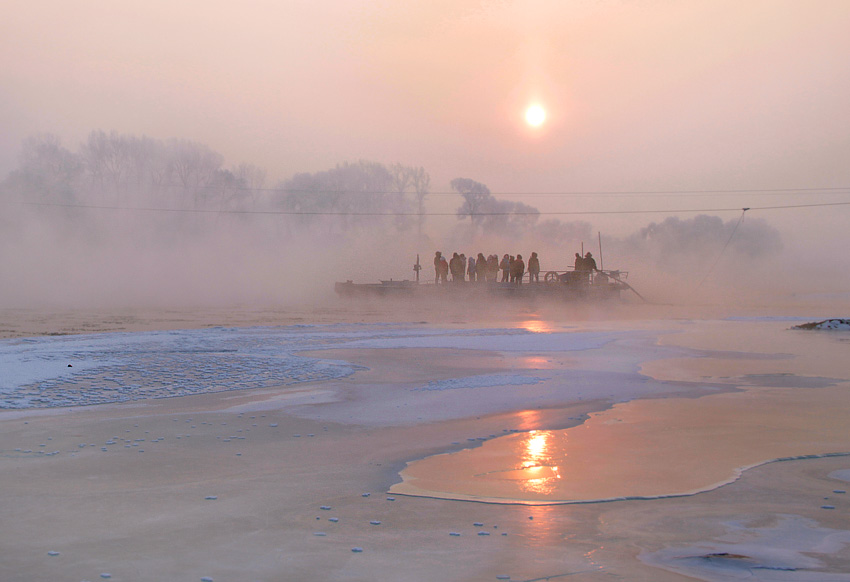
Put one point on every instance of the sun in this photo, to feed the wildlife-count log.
(535, 115)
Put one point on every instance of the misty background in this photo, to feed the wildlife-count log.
(160, 154)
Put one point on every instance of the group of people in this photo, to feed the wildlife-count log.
(585, 264)
(512, 268)
(482, 269)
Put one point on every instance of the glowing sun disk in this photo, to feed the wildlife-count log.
(535, 115)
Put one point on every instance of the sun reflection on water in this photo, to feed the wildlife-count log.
(536, 326)
(537, 471)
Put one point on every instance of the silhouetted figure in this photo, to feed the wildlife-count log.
(580, 274)
(589, 263)
(437, 260)
(444, 270)
(493, 268)
(590, 266)
(481, 268)
(517, 270)
(533, 268)
(456, 266)
(505, 266)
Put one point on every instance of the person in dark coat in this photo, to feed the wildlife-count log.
(589, 263)
(533, 268)
(589, 266)
(481, 268)
(517, 270)
(444, 270)
(579, 264)
(493, 267)
(456, 267)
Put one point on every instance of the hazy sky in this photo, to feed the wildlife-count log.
(640, 94)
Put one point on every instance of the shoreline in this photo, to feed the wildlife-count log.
(333, 442)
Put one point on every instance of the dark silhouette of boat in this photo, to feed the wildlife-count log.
(556, 285)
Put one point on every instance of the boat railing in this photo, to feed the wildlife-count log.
(572, 276)
(568, 276)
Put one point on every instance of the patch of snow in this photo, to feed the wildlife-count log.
(828, 324)
(787, 550)
(80, 370)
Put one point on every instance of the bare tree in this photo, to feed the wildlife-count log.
(475, 196)
(419, 180)
(252, 176)
(195, 167)
(47, 171)
(349, 195)
(109, 160)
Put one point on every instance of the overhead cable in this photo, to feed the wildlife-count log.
(434, 214)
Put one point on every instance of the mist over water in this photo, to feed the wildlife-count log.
(186, 155)
(84, 237)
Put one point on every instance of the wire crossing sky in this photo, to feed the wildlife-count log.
(337, 213)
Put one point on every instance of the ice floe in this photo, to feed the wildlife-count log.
(133, 366)
(121, 367)
(827, 324)
(793, 548)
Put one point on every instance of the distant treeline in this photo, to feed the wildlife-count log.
(127, 171)
(117, 171)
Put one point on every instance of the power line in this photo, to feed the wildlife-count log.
(427, 214)
(563, 193)
(723, 250)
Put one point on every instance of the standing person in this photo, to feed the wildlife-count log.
(579, 274)
(533, 268)
(456, 268)
(437, 256)
(471, 269)
(505, 266)
(589, 265)
(493, 267)
(517, 270)
(481, 268)
(444, 270)
(463, 265)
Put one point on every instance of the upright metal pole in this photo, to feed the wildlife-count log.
(600, 249)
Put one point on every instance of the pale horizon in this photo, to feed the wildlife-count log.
(651, 109)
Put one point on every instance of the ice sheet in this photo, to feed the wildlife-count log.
(103, 368)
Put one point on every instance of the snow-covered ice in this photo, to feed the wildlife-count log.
(105, 368)
(827, 325)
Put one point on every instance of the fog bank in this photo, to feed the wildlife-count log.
(81, 238)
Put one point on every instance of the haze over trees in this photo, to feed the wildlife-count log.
(126, 170)
(489, 214)
(119, 191)
(359, 195)
(674, 243)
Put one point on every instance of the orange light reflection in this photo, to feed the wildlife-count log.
(537, 362)
(536, 326)
(529, 419)
(538, 473)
